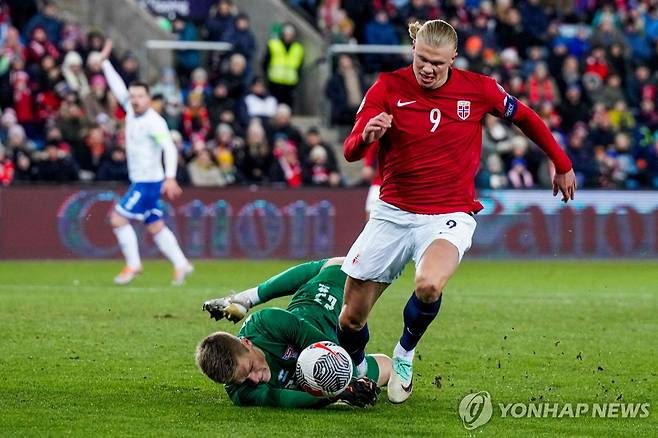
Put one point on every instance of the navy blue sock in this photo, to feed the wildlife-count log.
(354, 343)
(417, 317)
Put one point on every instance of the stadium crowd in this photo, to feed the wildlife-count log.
(587, 67)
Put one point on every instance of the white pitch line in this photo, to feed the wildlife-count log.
(108, 288)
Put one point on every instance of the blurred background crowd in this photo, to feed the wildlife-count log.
(588, 67)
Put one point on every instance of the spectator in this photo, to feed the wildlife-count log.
(90, 154)
(199, 82)
(637, 40)
(226, 162)
(258, 159)
(55, 166)
(24, 170)
(219, 102)
(573, 109)
(317, 171)
(345, 91)
(71, 120)
(626, 172)
(606, 167)
(281, 124)
(495, 176)
(22, 93)
(224, 139)
(286, 166)
(511, 33)
(259, 102)
(621, 118)
(609, 93)
(601, 132)
(168, 87)
(17, 142)
(113, 167)
(606, 34)
(313, 140)
(379, 30)
(54, 135)
(344, 32)
(235, 77)
(46, 19)
(535, 19)
(6, 167)
(203, 171)
(186, 60)
(7, 120)
(94, 64)
(39, 46)
(74, 74)
(283, 63)
(651, 176)
(581, 157)
(97, 101)
(129, 68)
(597, 63)
(11, 48)
(243, 40)
(519, 175)
(220, 21)
(648, 116)
(196, 122)
(541, 87)
(184, 157)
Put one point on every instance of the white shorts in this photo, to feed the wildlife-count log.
(373, 196)
(392, 237)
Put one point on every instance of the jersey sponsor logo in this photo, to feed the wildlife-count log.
(409, 102)
(290, 353)
(463, 109)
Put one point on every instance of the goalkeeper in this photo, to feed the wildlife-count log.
(258, 366)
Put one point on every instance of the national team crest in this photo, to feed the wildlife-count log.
(463, 109)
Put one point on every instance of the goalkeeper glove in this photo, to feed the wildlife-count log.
(227, 307)
(360, 392)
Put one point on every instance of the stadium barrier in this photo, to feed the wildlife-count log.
(71, 222)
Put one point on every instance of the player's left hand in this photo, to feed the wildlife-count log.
(566, 184)
(171, 189)
(360, 392)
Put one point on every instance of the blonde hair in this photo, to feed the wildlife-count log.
(217, 356)
(436, 33)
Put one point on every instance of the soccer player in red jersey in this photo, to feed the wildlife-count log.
(426, 119)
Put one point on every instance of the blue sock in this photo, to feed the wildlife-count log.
(354, 343)
(417, 317)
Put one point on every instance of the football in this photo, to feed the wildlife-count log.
(324, 369)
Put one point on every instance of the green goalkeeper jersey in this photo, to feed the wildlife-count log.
(320, 300)
(311, 316)
(281, 335)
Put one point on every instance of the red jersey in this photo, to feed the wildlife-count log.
(428, 159)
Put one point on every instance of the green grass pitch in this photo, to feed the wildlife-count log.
(81, 356)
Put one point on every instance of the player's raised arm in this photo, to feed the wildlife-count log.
(113, 79)
(372, 120)
(535, 129)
